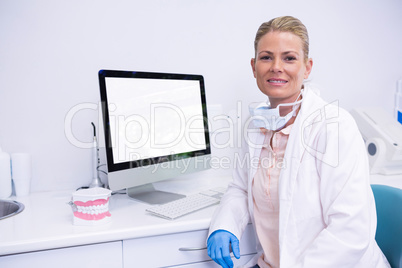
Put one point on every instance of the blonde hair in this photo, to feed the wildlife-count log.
(285, 24)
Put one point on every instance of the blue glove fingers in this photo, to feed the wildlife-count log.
(226, 256)
(235, 247)
(213, 250)
(219, 247)
(215, 253)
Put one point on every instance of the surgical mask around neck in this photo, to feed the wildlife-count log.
(264, 116)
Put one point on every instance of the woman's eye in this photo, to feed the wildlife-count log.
(290, 58)
(265, 58)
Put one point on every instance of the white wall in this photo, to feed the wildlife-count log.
(51, 51)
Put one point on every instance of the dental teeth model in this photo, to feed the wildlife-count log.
(91, 206)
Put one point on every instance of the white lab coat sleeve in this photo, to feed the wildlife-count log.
(232, 214)
(346, 197)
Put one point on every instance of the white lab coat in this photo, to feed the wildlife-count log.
(327, 214)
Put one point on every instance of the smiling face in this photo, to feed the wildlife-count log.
(280, 67)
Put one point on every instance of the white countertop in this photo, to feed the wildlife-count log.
(47, 220)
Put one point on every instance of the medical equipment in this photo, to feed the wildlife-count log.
(388, 202)
(91, 206)
(398, 101)
(266, 117)
(189, 204)
(382, 135)
(96, 182)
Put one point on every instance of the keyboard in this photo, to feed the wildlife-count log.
(189, 204)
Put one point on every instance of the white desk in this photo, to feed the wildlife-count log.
(43, 235)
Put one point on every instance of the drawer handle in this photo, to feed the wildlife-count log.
(192, 249)
(203, 248)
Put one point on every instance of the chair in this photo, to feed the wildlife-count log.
(388, 201)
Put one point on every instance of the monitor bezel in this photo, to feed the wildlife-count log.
(114, 167)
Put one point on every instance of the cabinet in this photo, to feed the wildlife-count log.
(167, 250)
(155, 251)
(104, 255)
(211, 264)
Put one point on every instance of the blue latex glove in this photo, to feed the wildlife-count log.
(219, 247)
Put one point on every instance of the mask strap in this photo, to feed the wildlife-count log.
(294, 105)
(296, 102)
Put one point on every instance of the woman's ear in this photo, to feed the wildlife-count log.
(253, 66)
(309, 67)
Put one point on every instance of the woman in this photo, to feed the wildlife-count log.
(309, 196)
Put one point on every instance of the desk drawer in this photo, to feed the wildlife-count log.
(104, 255)
(211, 264)
(162, 251)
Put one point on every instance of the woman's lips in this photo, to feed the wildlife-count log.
(277, 81)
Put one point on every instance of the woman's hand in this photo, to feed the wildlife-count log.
(219, 243)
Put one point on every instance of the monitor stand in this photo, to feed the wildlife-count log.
(147, 194)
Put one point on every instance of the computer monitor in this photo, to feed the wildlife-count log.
(155, 127)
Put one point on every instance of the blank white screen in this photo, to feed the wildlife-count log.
(154, 117)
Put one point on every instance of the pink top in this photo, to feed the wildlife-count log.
(265, 195)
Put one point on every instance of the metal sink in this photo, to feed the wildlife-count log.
(9, 208)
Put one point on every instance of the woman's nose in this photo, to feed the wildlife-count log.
(276, 66)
